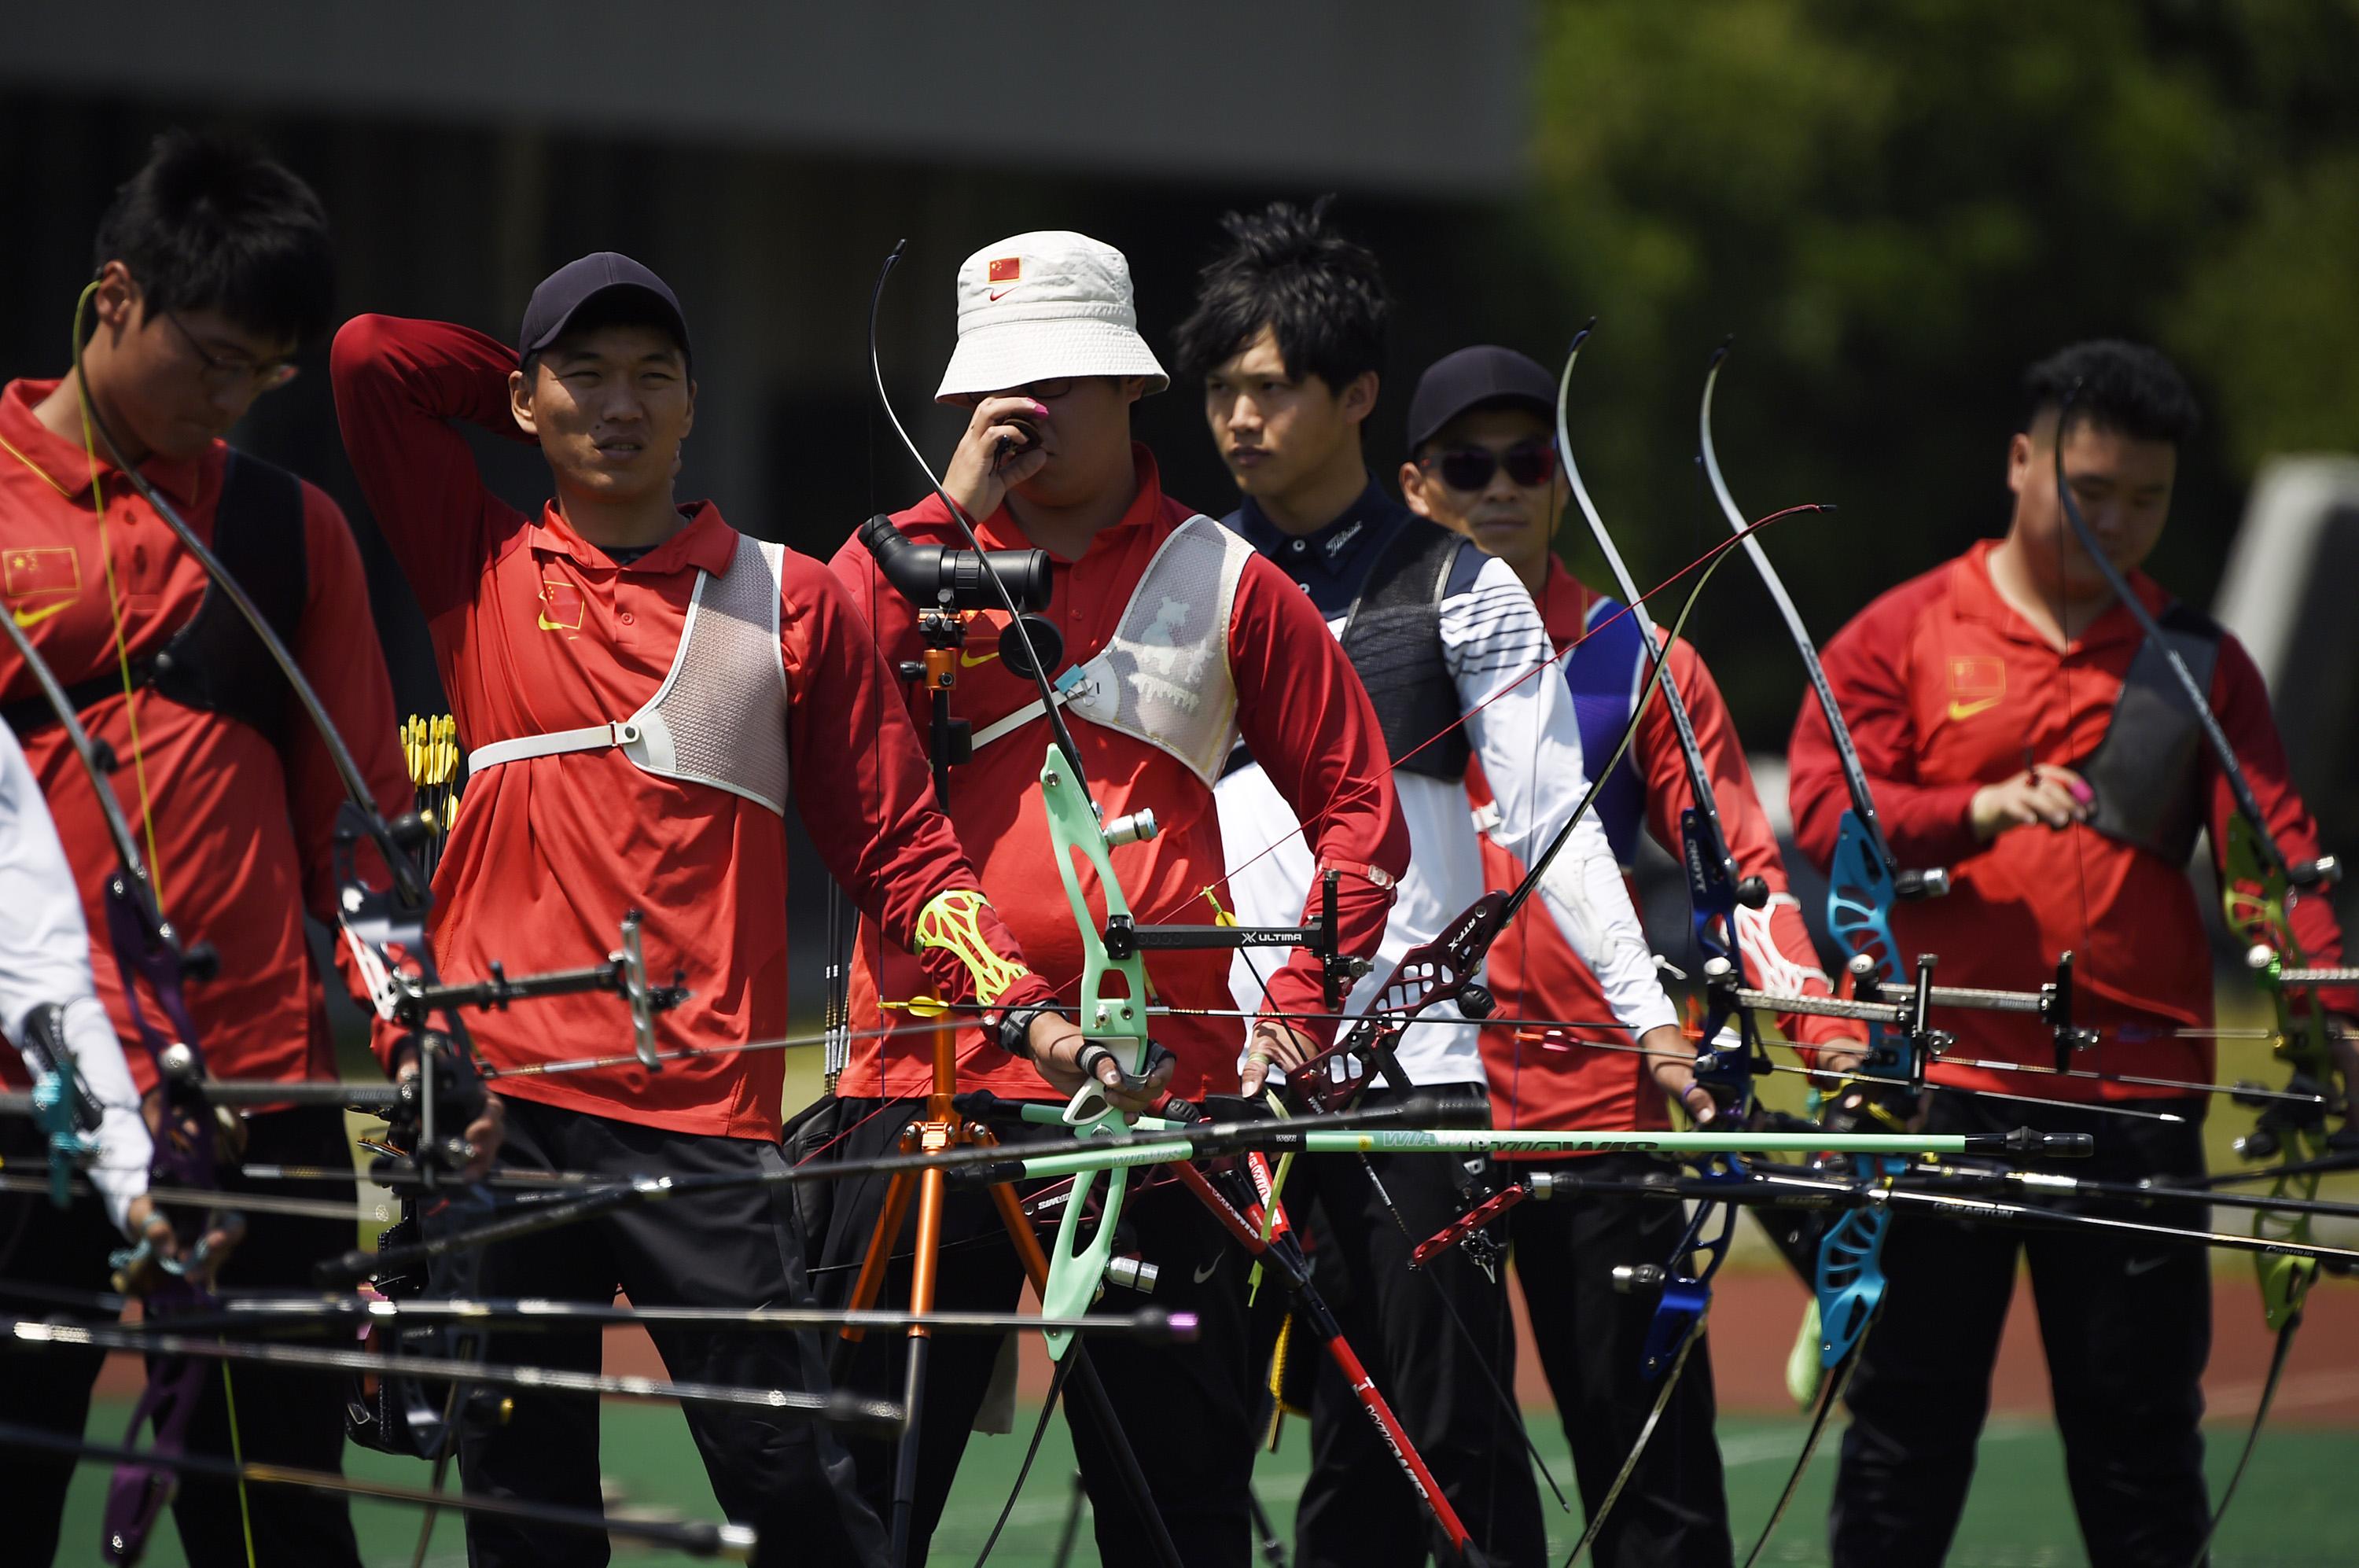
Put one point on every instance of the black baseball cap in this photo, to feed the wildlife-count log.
(1471, 378)
(564, 292)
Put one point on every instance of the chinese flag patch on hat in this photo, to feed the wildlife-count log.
(1007, 269)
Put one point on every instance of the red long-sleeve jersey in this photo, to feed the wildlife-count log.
(1947, 689)
(536, 630)
(244, 830)
(1301, 710)
(1560, 1078)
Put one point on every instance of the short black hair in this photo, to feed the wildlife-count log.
(2114, 386)
(621, 307)
(213, 222)
(1286, 268)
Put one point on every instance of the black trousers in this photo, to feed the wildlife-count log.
(1357, 1509)
(737, 1247)
(2127, 1322)
(1187, 1410)
(283, 1417)
(1590, 1337)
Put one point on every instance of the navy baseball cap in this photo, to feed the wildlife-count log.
(1473, 377)
(564, 292)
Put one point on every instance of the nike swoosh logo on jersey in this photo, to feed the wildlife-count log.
(996, 294)
(35, 618)
(968, 660)
(1968, 709)
(1206, 1271)
(2138, 1266)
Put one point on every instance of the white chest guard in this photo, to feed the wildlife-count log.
(1164, 677)
(719, 716)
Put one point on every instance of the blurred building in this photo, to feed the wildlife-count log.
(765, 158)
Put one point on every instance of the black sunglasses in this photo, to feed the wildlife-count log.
(1530, 464)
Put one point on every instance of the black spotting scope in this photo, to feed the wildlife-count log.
(934, 576)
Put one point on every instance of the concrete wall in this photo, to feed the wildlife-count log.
(1391, 94)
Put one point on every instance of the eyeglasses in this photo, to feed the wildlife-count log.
(220, 375)
(1530, 464)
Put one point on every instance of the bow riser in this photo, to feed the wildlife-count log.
(1077, 1266)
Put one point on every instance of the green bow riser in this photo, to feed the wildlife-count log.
(2253, 895)
(1118, 1020)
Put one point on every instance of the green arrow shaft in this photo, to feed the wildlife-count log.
(1163, 1152)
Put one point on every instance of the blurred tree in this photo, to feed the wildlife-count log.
(1895, 207)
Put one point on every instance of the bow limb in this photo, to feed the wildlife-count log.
(1715, 887)
(1714, 891)
(1862, 883)
(2254, 892)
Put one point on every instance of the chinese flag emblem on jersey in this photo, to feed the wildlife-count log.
(1006, 269)
(29, 573)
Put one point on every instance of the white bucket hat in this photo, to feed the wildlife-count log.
(1040, 306)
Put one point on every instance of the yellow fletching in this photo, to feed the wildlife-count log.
(916, 1006)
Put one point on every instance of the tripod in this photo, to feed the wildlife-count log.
(944, 1127)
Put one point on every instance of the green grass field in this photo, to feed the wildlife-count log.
(2289, 1514)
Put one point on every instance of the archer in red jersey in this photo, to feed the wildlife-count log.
(2013, 733)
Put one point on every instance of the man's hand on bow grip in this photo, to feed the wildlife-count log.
(1670, 1057)
(485, 1129)
(1057, 1046)
(159, 1245)
(483, 1135)
(1271, 1045)
(1838, 1056)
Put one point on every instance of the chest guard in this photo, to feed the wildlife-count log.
(1164, 676)
(1607, 670)
(214, 663)
(1393, 638)
(719, 716)
(2147, 771)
